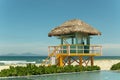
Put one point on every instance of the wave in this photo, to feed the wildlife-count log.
(16, 62)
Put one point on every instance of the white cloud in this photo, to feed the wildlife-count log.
(111, 46)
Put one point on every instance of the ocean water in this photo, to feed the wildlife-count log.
(37, 59)
(95, 75)
(21, 59)
(107, 57)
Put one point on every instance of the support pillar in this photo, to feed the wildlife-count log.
(88, 44)
(92, 60)
(61, 61)
(72, 40)
(80, 60)
(76, 38)
(69, 60)
(88, 40)
(61, 40)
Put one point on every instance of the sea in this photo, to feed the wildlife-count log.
(7, 60)
(94, 75)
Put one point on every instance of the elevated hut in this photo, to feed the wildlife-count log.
(75, 44)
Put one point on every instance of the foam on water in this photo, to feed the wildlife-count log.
(16, 62)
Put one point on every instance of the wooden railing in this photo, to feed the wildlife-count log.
(76, 49)
(71, 49)
(52, 53)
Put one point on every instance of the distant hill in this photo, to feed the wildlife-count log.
(22, 54)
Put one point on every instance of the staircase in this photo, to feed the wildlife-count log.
(47, 61)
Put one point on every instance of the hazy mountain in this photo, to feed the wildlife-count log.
(22, 54)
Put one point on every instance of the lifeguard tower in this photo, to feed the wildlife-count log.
(75, 44)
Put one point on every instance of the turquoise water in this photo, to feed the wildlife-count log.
(20, 59)
(97, 75)
(37, 59)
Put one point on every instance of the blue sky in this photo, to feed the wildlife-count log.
(24, 24)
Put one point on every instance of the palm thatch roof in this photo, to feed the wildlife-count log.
(73, 26)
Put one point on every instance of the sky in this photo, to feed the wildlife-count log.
(25, 24)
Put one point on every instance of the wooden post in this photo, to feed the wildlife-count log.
(92, 59)
(61, 40)
(80, 60)
(69, 60)
(68, 49)
(88, 40)
(72, 40)
(76, 37)
(61, 61)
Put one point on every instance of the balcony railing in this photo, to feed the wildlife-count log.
(75, 49)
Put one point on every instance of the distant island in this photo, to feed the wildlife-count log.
(22, 54)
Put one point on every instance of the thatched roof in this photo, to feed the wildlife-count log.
(73, 26)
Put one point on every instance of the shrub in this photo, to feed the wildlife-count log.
(5, 73)
(69, 68)
(60, 69)
(115, 66)
(32, 69)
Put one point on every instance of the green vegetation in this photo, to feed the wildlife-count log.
(115, 66)
(32, 69)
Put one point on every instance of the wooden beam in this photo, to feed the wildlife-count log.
(72, 40)
(69, 60)
(61, 61)
(76, 38)
(88, 40)
(92, 60)
(80, 60)
(61, 40)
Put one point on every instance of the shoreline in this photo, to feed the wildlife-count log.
(104, 64)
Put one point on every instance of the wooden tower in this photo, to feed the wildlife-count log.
(75, 44)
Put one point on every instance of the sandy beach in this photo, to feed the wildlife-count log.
(104, 64)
